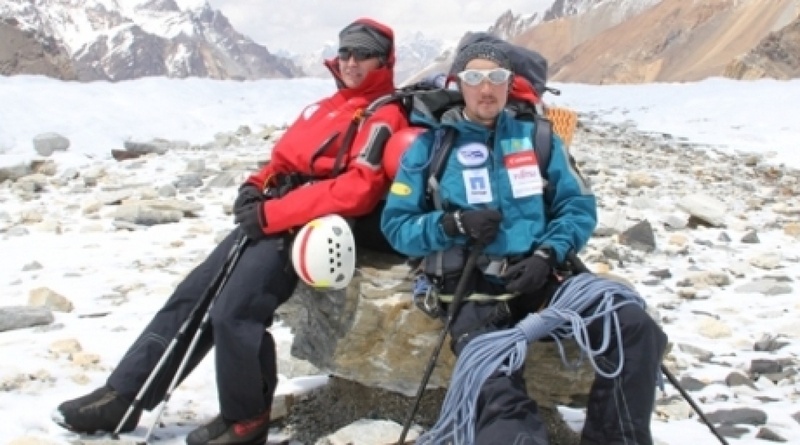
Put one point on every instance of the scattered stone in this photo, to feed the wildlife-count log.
(767, 434)
(146, 216)
(746, 416)
(733, 431)
(765, 287)
(125, 155)
(739, 379)
(751, 237)
(673, 408)
(704, 209)
(692, 384)
(35, 265)
(639, 237)
(156, 146)
(42, 296)
(765, 366)
(47, 143)
(769, 343)
(19, 317)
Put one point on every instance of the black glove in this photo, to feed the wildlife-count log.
(529, 275)
(480, 225)
(252, 221)
(248, 194)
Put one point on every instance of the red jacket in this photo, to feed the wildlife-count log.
(310, 147)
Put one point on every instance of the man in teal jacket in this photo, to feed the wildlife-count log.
(492, 194)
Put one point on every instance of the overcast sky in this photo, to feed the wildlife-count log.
(303, 25)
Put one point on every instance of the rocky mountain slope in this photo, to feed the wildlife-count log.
(776, 56)
(618, 41)
(116, 40)
(624, 41)
(26, 52)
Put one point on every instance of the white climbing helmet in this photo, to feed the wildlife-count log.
(324, 253)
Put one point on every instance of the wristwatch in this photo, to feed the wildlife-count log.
(548, 254)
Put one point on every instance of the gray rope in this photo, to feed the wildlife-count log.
(505, 350)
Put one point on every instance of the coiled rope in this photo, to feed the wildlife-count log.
(505, 350)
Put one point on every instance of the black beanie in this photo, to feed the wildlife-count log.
(361, 35)
(480, 50)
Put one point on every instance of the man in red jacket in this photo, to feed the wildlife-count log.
(327, 162)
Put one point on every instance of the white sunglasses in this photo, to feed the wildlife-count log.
(474, 78)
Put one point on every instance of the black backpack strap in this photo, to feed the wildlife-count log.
(543, 147)
(442, 146)
(347, 142)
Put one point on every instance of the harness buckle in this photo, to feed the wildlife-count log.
(426, 296)
(495, 268)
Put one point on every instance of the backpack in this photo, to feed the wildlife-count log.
(428, 99)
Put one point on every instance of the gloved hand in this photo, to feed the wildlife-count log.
(481, 225)
(252, 221)
(248, 194)
(528, 276)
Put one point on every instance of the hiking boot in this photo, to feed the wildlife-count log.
(221, 431)
(99, 411)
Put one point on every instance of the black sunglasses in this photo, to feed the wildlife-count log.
(360, 54)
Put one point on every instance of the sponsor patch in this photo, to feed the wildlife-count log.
(400, 189)
(523, 172)
(516, 144)
(477, 185)
(472, 154)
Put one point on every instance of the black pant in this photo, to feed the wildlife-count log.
(505, 414)
(246, 369)
(619, 409)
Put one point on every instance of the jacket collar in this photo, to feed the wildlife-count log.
(377, 83)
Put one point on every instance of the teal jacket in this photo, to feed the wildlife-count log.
(490, 169)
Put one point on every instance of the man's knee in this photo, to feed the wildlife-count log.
(474, 319)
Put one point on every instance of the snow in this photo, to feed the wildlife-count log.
(92, 266)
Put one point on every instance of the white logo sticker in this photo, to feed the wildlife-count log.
(472, 154)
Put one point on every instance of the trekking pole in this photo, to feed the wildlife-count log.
(452, 311)
(580, 267)
(695, 407)
(208, 298)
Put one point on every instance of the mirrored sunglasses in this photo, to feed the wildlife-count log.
(360, 54)
(474, 78)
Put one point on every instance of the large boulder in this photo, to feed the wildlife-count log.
(371, 335)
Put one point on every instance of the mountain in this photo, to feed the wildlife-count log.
(126, 39)
(413, 52)
(627, 41)
(312, 63)
(30, 52)
(777, 56)
(508, 26)
(639, 41)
